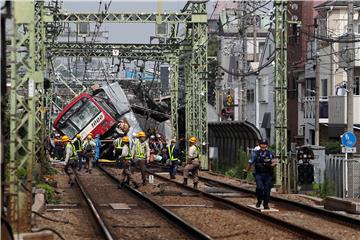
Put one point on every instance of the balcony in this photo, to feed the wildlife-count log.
(338, 110)
(309, 109)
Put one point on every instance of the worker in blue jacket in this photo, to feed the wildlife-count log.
(97, 148)
(264, 162)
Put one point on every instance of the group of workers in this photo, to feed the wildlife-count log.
(136, 152)
(139, 152)
(77, 150)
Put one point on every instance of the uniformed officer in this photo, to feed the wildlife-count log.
(193, 163)
(264, 162)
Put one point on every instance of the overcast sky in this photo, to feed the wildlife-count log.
(128, 33)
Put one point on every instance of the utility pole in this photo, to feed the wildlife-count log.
(254, 38)
(242, 102)
(317, 98)
(350, 67)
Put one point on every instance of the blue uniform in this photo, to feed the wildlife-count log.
(263, 174)
(97, 149)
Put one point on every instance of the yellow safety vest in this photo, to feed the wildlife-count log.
(171, 152)
(74, 151)
(118, 144)
(129, 156)
(80, 145)
(140, 153)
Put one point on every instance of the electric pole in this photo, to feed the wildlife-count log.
(242, 64)
(350, 66)
(317, 99)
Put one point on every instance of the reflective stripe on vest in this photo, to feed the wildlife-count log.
(80, 145)
(171, 152)
(139, 153)
(129, 156)
(119, 144)
(73, 150)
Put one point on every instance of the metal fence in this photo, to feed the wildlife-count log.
(335, 172)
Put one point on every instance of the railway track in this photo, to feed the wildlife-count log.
(218, 217)
(138, 216)
(328, 224)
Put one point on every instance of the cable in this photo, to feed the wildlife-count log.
(49, 229)
(216, 4)
(50, 219)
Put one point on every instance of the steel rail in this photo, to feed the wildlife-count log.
(327, 213)
(93, 209)
(283, 224)
(187, 227)
(333, 215)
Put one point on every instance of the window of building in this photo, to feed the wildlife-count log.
(250, 95)
(324, 87)
(261, 49)
(357, 86)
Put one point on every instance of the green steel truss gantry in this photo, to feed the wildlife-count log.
(281, 139)
(32, 48)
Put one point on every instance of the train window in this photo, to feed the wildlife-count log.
(85, 114)
(68, 129)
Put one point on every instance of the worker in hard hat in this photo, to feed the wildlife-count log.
(193, 163)
(141, 154)
(78, 144)
(89, 152)
(126, 158)
(173, 152)
(118, 146)
(70, 155)
(264, 162)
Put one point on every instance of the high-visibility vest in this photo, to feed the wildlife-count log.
(118, 144)
(171, 153)
(129, 156)
(79, 145)
(73, 150)
(141, 151)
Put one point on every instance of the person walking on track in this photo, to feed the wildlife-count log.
(70, 155)
(141, 154)
(173, 156)
(193, 163)
(126, 159)
(97, 149)
(89, 151)
(78, 143)
(264, 162)
(118, 147)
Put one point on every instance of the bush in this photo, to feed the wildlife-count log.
(49, 191)
(332, 147)
(237, 170)
(323, 189)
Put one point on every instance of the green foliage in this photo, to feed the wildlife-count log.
(237, 170)
(323, 189)
(332, 147)
(49, 192)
